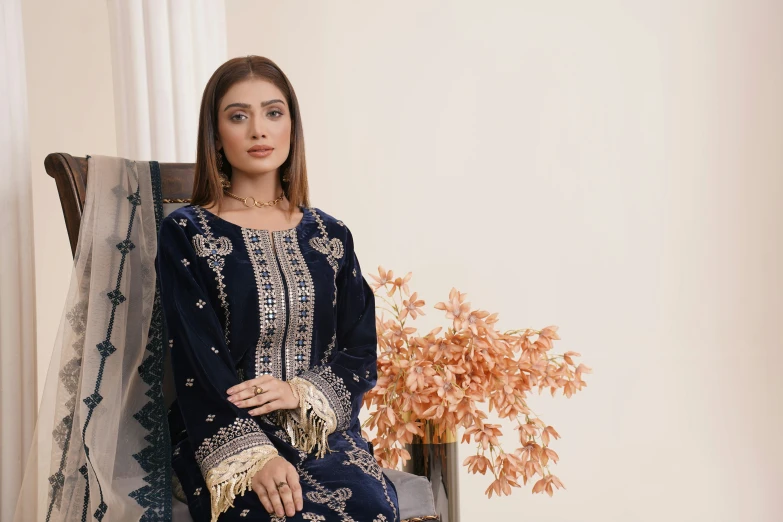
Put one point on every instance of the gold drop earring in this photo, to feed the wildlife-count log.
(224, 181)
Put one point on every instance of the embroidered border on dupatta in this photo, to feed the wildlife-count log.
(155, 497)
(105, 348)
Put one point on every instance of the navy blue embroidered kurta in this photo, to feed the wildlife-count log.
(240, 303)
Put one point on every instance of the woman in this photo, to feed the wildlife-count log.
(269, 320)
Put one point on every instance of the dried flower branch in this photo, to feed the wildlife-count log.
(445, 377)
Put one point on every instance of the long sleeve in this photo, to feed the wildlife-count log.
(330, 394)
(231, 447)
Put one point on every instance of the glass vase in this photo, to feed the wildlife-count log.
(435, 456)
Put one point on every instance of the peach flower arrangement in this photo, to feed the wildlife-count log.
(442, 381)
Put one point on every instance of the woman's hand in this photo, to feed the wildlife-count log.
(277, 486)
(275, 395)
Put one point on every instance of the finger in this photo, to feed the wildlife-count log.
(257, 400)
(250, 391)
(268, 407)
(264, 379)
(250, 384)
(263, 497)
(287, 497)
(274, 497)
(246, 393)
(292, 478)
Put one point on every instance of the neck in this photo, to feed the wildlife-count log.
(262, 187)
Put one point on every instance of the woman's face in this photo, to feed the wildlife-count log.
(254, 112)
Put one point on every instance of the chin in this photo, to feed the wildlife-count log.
(260, 166)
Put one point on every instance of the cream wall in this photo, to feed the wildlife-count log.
(613, 169)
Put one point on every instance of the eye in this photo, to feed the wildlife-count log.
(236, 114)
(275, 110)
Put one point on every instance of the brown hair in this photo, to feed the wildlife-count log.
(206, 183)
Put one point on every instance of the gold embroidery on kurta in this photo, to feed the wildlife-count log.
(335, 500)
(333, 388)
(363, 460)
(328, 352)
(332, 248)
(229, 459)
(301, 302)
(271, 303)
(233, 476)
(214, 249)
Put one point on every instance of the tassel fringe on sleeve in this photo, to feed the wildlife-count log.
(234, 476)
(310, 424)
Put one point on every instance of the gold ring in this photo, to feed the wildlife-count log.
(258, 390)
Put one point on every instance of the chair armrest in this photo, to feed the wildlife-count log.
(414, 494)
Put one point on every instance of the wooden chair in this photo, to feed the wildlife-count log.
(71, 175)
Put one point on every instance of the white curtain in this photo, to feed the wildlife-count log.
(18, 395)
(163, 53)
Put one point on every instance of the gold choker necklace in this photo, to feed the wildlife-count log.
(255, 203)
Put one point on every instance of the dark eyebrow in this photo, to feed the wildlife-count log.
(247, 105)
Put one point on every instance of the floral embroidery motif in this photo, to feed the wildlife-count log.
(186, 262)
(230, 440)
(362, 459)
(183, 222)
(282, 435)
(197, 492)
(312, 516)
(332, 248)
(244, 512)
(200, 303)
(230, 458)
(335, 500)
(329, 349)
(215, 350)
(301, 301)
(367, 463)
(354, 272)
(214, 249)
(189, 382)
(271, 302)
(210, 418)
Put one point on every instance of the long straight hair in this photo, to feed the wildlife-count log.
(206, 183)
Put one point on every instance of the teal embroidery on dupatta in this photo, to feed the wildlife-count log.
(154, 459)
(106, 349)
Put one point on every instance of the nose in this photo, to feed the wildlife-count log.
(257, 126)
